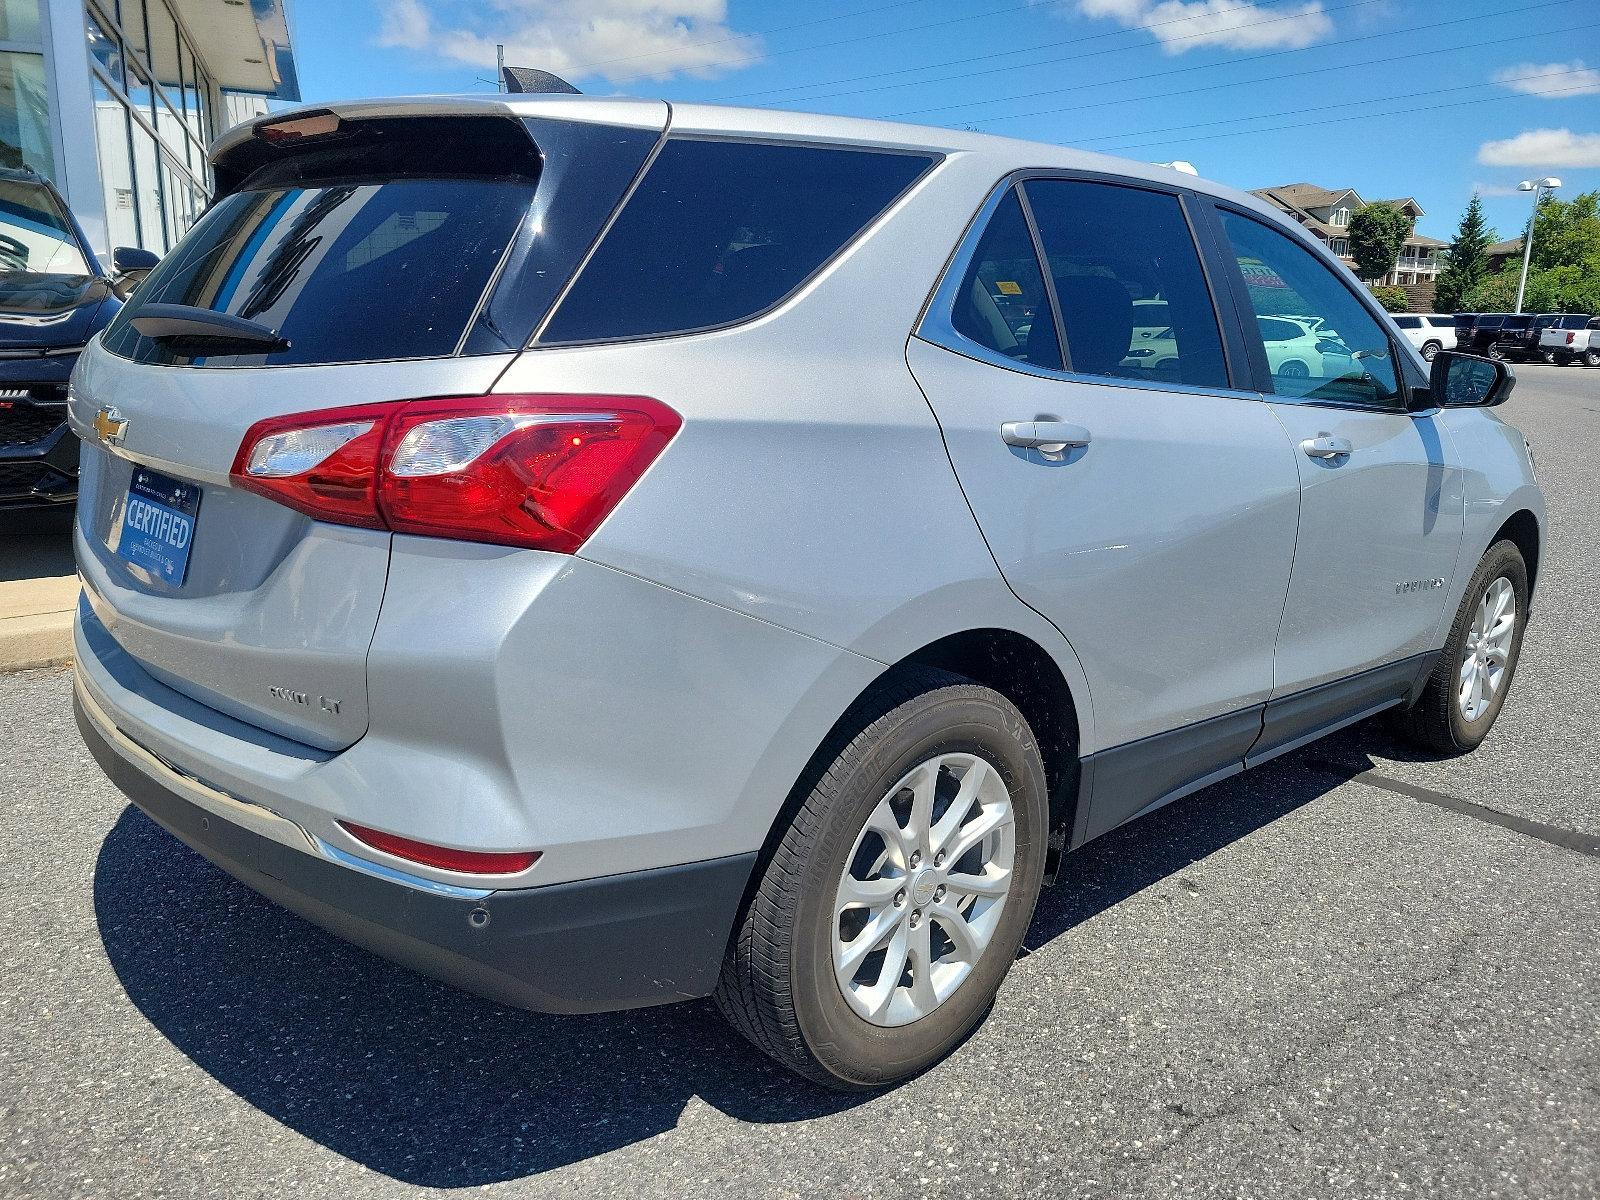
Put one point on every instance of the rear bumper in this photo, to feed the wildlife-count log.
(624, 941)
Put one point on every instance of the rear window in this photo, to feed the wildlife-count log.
(718, 232)
(346, 272)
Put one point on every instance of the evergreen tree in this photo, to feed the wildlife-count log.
(1467, 259)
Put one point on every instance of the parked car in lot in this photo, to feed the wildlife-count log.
(1499, 336)
(709, 587)
(1570, 338)
(53, 298)
(1428, 332)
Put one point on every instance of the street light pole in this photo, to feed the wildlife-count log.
(1538, 187)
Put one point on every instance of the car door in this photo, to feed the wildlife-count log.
(1147, 511)
(1381, 491)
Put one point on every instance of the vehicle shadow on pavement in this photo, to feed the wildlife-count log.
(434, 1087)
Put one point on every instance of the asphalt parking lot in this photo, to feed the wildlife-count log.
(1348, 973)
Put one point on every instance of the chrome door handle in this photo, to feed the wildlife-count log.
(1323, 446)
(1050, 436)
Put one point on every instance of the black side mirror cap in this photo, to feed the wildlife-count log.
(127, 259)
(1457, 380)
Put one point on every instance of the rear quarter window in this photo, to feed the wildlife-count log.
(718, 232)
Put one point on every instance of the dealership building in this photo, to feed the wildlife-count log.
(115, 101)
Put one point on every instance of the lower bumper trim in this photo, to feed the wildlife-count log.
(623, 941)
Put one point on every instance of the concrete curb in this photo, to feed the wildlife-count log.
(36, 622)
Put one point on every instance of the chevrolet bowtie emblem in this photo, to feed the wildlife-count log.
(109, 426)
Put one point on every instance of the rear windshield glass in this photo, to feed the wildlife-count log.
(344, 272)
(718, 232)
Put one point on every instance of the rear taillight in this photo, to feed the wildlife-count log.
(536, 471)
(445, 858)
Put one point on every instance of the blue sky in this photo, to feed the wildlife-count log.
(1423, 98)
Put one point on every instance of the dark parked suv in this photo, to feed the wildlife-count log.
(53, 298)
(1498, 335)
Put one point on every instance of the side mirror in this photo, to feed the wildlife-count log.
(1458, 380)
(127, 259)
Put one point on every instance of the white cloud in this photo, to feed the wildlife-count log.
(619, 40)
(1551, 80)
(1181, 25)
(1543, 148)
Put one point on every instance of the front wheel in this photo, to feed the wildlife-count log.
(1548, 356)
(1497, 353)
(1469, 683)
(899, 894)
(1591, 358)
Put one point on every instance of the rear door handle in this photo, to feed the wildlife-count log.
(1324, 446)
(1050, 436)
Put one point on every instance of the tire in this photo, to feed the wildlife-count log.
(1438, 721)
(1497, 353)
(1429, 349)
(1591, 358)
(1548, 356)
(779, 985)
(1294, 369)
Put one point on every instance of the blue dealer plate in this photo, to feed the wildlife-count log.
(158, 524)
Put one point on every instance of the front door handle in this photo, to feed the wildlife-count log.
(1324, 446)
(1052, 437)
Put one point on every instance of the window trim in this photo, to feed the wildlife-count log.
(1409, 373)
(935, 325)
(935, 159)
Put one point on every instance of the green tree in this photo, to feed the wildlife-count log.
(1566, 232)
(1466, 262)
(1376, 234)
(1393, 299)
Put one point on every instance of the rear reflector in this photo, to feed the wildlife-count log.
(471, 862)
(537, 471)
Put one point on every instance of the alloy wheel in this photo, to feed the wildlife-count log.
(923, 889)
(1487, 653)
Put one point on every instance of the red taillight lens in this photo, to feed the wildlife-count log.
(536, 471)
(322, 464)
(473, 862)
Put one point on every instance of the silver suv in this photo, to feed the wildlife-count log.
(603, 553)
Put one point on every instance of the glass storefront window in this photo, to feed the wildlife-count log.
(105, 48)
(25, 114)
(147, 191)
(19, 21)
(164, 51)
(116, 167)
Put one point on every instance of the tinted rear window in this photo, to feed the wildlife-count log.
(718, 232)
(346, 272)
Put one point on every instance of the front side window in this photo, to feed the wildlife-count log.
(718, 232)
(1002, 304)
(1320, 342)
(1133, 297)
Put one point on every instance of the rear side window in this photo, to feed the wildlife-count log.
(1112, 251)
(345, 272)
(718, 232)
(1409, 322)
(1002, 303)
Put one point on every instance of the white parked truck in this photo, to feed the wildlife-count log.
(1573, 338)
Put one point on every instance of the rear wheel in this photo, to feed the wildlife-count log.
(899, 894)
(1429, 349)
(1294, 369)
(1548, 356)
(1470, 682)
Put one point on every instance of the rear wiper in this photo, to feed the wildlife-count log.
(203, 326)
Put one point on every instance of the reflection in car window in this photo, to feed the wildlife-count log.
(35, 236)
(1002, 302)
(1320, 342)
(1133, 298)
